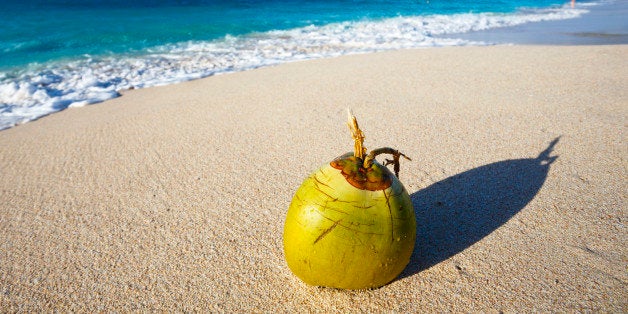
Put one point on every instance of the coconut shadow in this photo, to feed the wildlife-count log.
(459, 211)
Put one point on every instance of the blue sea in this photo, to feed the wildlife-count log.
(56, 54)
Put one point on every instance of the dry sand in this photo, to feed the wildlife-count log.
(174, 198)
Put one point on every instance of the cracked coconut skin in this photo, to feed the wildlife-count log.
(351, 223)
(350, 226)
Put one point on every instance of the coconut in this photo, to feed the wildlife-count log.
(351, 223)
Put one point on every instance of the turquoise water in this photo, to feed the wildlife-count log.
(60, 53)
(40, 31)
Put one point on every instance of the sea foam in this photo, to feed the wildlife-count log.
(41, 89)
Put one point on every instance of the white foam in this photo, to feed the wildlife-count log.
(42, 89)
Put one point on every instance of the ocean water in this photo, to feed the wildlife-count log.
(56, 54)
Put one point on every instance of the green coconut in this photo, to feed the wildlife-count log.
(351, 224)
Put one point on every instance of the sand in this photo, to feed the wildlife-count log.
(173, 198)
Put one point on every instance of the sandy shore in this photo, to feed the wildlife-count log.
(173, 198)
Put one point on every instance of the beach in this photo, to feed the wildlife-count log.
(173, 198)
(58, 55)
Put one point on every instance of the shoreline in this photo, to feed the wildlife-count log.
(173, 198)
(605, 24)
(47, 88)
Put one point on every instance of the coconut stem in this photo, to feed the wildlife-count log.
(368, 161)
(358, 149)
